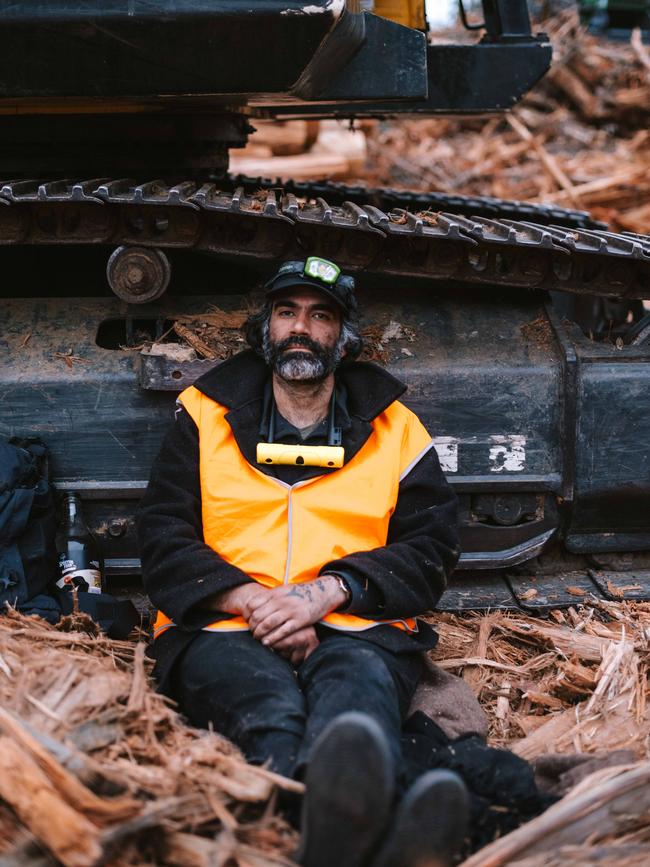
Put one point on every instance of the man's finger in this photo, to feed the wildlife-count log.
(311, 648)
(297, 657)
(260, 599)
(269, 607)
(300, 636)
(266, 625)
(286, 609)
(281, 632)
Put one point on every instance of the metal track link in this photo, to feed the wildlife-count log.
(270, 224)
(411, 200)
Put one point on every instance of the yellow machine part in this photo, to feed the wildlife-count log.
(408, 12)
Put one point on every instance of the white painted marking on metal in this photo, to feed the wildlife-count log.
(447, 448)
(507, 453)
(334, 7)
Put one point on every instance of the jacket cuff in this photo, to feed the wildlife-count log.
(364, 597)
(195, 615)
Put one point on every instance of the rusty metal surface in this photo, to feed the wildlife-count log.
(541, 593)
(478, 592)
(160, 373)
(486, 373)
(138, 275)
(631, 586)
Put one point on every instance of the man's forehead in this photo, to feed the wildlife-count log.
(305, 295)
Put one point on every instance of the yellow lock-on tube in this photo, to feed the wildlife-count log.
(307, 456)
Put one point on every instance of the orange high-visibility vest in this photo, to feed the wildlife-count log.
(284, 534)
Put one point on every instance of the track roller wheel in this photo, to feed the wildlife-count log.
(138, 274)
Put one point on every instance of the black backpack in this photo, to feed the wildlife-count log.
(28, 557)
(29, 563)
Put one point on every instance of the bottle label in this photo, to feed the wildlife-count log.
(85, 580)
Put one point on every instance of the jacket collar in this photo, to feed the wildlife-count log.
(240, 381)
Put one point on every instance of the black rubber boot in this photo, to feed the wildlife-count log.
(430, 824)
(349, 783)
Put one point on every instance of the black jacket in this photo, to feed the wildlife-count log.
(404, 578)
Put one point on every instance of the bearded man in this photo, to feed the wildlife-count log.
(296, 523)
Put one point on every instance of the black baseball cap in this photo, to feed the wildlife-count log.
(319, 273)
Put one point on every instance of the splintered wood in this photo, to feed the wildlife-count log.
(95, 767)
(215, 335)
(300, 150)
(579, 139)
(577, 683)
(605, 804)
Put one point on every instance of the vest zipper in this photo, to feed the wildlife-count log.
(289, 535)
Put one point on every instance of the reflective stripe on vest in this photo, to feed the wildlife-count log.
(284, 534)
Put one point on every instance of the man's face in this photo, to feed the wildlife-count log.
(302, 344)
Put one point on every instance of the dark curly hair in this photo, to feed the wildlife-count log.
(257, 325)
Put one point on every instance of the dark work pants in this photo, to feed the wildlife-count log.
(254, 697)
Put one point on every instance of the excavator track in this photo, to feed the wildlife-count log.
(268, 224)
(387, 199)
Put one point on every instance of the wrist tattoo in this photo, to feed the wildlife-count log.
(302, 591)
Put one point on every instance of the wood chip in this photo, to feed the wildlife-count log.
(597, 808)
(578, 137)
(158, 767)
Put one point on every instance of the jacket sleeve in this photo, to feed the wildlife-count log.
(407, 576)
(179, 570)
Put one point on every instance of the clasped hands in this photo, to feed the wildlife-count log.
(282, 618)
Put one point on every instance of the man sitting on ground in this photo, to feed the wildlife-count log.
(296, 523)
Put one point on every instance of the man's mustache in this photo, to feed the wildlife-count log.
(314, 365)
(299, 340)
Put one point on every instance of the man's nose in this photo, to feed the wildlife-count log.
(300, 324)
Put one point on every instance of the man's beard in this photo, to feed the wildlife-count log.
(296, 366)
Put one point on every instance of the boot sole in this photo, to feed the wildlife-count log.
(430, 825)
(349, 784)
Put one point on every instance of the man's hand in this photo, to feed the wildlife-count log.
(238, 600)
(289, 608)
(297, 646)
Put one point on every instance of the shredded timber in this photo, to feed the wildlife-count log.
(579, 139)
(95, 766)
